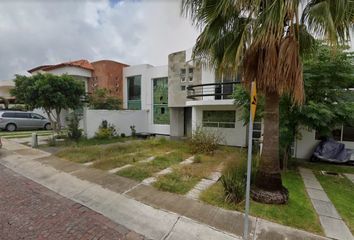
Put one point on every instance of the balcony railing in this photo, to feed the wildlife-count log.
(222, 90)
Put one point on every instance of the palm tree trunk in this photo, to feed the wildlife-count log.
(268, 185)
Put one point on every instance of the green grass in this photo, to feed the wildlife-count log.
(318, 166)
(341, 192)
(298, 213)
(24, 134)
(184, 178)
(144, 170)
(176, 182)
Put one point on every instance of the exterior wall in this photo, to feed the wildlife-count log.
(177, 122)
(148, 73)
(107, 74)
(305, 145)
(176, 61)
(232, 136)
(121, 119)
(5, 87)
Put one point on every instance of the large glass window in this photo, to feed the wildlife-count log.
(134, 92)
(160, 101)
(343, 133)
(219, 119)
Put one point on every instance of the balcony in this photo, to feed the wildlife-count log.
(211, 91)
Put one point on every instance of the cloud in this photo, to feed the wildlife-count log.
(36, 32)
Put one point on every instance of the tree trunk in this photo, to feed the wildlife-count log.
(268, 185)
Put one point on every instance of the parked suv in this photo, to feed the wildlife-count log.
(16, 120)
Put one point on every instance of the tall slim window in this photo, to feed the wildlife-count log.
(160, 101)
(134, 92)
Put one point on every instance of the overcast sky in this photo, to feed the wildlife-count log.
(36, 32)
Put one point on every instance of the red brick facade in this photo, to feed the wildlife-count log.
(107, 74)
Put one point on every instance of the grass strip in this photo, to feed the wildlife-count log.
(298, 212)
(341, 192)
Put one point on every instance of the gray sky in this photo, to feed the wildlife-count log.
(36, 32)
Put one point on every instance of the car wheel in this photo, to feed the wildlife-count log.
(11, 127)
(47, 126)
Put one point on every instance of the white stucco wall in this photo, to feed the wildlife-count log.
(305, 145)
(232, 136)
(121, 119)
(148, 73)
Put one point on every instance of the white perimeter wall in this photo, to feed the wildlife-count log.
(148, 73)
(122, 120)
(305, 146)
(233, 136)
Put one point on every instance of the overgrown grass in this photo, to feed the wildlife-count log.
(184, 178)
(341, 192)
(176, 182)
(318, 166)
(144, 170)
(298, 213)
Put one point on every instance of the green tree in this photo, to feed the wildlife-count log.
(50, 92)
(264, 39)
(101, 99)
(328, 75)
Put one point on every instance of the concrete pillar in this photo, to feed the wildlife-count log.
(177, 122)
(34, 141)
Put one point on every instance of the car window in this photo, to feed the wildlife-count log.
(22, 115)
(36, 116)
(8, 115)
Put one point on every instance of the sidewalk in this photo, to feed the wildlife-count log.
(143, 209)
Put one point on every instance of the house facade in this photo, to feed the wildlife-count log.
(181, 96)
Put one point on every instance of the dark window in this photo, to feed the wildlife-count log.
(190, 70)
(348, 133)
(22, 115)
(220, 119)
(36, 116)
(183, 88)
(134, 92)
(9, 115)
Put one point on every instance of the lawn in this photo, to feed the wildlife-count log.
(324, 166)
(185, 177)
(140, 171)
(298, 213)
(341, 192)
(24, 134)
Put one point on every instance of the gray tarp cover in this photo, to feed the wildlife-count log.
(332, 151)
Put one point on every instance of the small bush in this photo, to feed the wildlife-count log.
(234, 184)
(122, 135)
(106, 130)
(74, 132)
(204, 141)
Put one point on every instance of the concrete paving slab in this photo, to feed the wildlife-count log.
(60, 164)
(325, 209)
(350, 176)
(189, 160)
(115, 170)
(164, 171)
(312, 183)
(335, 228)
(317, 194)
(188, 229)
(32, 153)
(149, 159)
(149, 180)
(273, 231)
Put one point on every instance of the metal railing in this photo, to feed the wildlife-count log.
(222, 90)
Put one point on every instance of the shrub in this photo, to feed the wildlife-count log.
(103, 99)
(204, 141)
(74, 132)
(234, 183)
(122, 135)
(105, 130)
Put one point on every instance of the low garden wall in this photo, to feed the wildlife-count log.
(121, 119)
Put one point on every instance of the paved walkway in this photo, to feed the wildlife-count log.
(350, 176)
(332, 224)
(31, 211)
(141, 208)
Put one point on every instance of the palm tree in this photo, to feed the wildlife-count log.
(264, 41)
